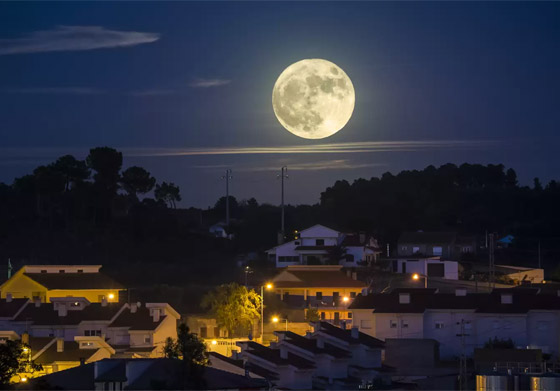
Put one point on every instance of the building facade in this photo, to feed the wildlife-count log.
(462, 321)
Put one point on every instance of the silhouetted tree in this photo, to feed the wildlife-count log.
(74, 171)
(136, 180)
(168, 193)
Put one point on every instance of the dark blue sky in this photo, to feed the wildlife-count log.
(476, 82)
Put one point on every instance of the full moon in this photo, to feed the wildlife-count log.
(313, 98)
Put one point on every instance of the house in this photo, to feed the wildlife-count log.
(132, 330)
(327, 358)
(325, 288)
(447, 245)
(140, 374)
(47, 281)
(317, 244)
(431, 267)
(219, 230)
(528, 317)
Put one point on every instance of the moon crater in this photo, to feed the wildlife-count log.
(313, 98)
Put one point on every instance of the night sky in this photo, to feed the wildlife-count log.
(184, 89)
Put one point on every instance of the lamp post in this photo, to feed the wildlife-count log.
(276, 320)
(416, 277)
(268, 286)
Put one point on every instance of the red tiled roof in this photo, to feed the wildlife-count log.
(522, 302)
(9, 309)
(74, 280)
(139, 320)
(320, 279)
(346, 335)
(46, 315)
(273, 355)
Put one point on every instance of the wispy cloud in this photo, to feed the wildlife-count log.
(208, 83)
(54, 91)
(152, 92)
(74, 38)
(322, 165)
(353, 147)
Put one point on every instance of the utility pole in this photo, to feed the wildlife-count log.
(227, 177)
(491, 268)
(463, 359)
(539, 252)
(283, 174)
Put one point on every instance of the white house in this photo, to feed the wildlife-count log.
(529, 318)
(431, 267)
(327, 358)
(314, 244)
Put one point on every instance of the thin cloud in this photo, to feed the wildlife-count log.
(55, 91)
(74, 38)
(353, 147)
(209, 83)
(154, 92)
(338, 164)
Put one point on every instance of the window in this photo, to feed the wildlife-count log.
(335, 297)
(323, 316)
(466, 250)
(365, 324)
(296, 243)
(216, 332)
(393, 324)
(319, 242)
(437, 250)
(319, 296)
(203, 332)
(80, 270)
(147, 339)
(404, 298)
(43, 271)
(403, 248)
(92, 333)
(349, 315)
(86, 344)
(439, 325)
(404, 324)
(415, 250)
(352, 295)
(62, 271)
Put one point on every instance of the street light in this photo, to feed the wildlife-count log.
(276, 320)
(268, 286)
(416, 277)
(345, 299)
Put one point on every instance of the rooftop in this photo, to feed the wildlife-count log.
(273, 356)
(45, 314)
(346, 335)
(74, 280)
(10, 308)
(308, 277)
(311, 345)
(139, 320)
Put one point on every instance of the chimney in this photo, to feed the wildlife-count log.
(37, 302)
(104, 302)
(25, 338)
(155, 314)
(354, 275)
(62, 310)
(8, 297)
(362, 237)
(60, 345)
(354, 332)
(460, 292)
(133, 308)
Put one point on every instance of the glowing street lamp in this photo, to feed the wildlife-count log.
(416, 277)
(111, 296)
(345, 299)
(268, 286)
(276, 320)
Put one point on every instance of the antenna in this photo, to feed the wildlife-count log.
(227, 177)
(283, 174)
